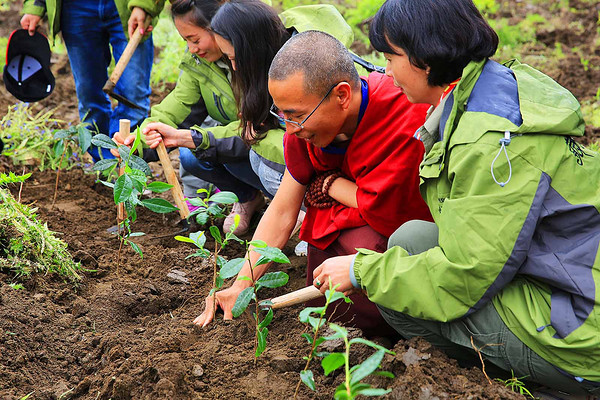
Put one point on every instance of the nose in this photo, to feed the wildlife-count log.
(192, 48)
(388, 69)
(292, 129)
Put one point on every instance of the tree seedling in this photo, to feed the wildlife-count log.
(67, 139)
(128, 188)
(352, 385)
(269, 280)
(211, 208)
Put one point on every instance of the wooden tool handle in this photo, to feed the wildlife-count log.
(299, 296)
(133, 43)
(124, 129)
(184, 211)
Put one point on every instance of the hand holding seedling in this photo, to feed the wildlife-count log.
(157, 132)
(334, 271)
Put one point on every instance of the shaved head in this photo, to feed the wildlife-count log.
(322, 59)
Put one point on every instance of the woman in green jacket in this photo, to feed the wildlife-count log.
(513, 257)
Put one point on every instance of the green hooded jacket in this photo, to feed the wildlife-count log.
(52, 9)
(203, 88)
(518, 219)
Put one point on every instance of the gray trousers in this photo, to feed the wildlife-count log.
(496, 343)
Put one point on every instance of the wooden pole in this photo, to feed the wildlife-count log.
(124, 130)
(299, 296)
(172, 179)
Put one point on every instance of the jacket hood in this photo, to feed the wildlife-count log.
(514, 97)
(321, 17)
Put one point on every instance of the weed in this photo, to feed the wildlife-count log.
(16, 286)
(352, 386)
(29, 137)
(516, 385)
(27, 396)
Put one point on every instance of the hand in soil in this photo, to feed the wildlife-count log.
(337, 270)
(225, 300)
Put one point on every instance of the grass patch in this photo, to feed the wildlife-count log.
(27, 246)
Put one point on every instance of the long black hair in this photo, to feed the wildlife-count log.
(198, 12)
(444, 35)
(256, 34)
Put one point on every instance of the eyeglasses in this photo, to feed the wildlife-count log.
(279, 114)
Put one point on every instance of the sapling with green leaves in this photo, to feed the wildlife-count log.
(67, 140)
(269, 280)
(353, 375)
(315, 340)
(128, 188)
(211, 208)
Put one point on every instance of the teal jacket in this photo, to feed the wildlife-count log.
(530, 246)
(203, 88)
(52, 9)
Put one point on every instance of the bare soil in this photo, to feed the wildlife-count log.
(125, 332)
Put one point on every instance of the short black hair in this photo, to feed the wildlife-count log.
(198, 12)
(444, 35)
(321, 58)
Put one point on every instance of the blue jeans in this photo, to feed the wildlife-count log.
(90, 28)
(269, 177)
(235, 177)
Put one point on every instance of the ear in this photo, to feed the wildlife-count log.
(343, 94)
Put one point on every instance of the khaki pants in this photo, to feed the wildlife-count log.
(497, 344)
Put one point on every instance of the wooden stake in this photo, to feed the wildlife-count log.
(172, 179)
(124, 130)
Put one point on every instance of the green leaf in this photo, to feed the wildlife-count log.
(307, 336)
(219, 282)
(137, 141)
(123, 188)
(242, 301)
(371, 344)
(367, 367)
(135, 234)
(341, 393)
(85, 138)
(158, 187)
(257, 243)
(261, 335)
(199, 238)
(244, 278)
(138, 163)
(332, 362)
(136, 248)
(138, 176)
(61, 134)
(372, 392)
(202, 218)
(306, 313)
(184, 239)
(334, 296)
(104, 164)
(272, 254)
(224, 198)
(216, 234)
(268, 318)
(124, 153)
(160, 206)
(232, 268)
(308, 379)
(103, 141)
(340, 330)
(273, 279)
(58, 148)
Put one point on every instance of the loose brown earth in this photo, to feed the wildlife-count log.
(126, 333)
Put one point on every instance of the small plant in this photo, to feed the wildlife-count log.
(26, 244)
(128, 187)
(16, 286)
(211, 208)
(269, 280)
(67, 140)
(352, 385)
(316, 323)
(516, 385)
